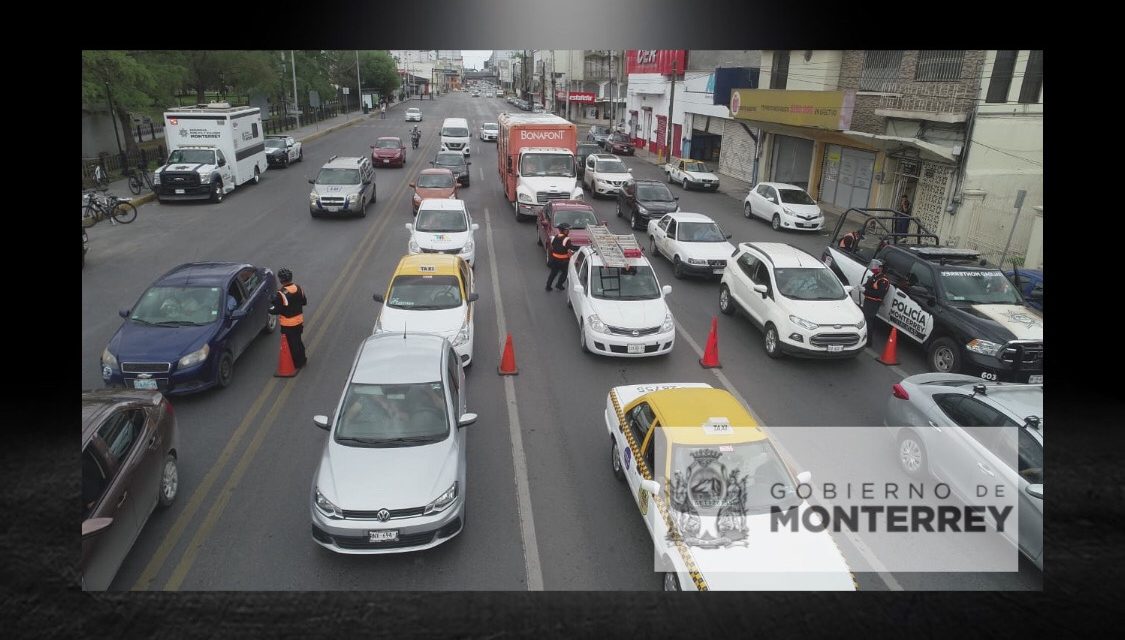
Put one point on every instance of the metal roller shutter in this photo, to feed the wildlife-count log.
(737, 158)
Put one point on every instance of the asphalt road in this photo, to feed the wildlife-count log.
(241, 520)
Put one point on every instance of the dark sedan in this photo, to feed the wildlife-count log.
(388, 152)
(188, 328)
(455, 162)
(129, 454)
(598, 134)
(642, 200)
(620, 144)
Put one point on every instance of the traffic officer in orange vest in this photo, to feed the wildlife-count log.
(874, 291)
(287, 305)
(560, 248)
(851, 240)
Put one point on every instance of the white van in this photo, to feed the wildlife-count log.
(213, 148)
(455, 135)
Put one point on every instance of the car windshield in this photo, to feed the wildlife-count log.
(695, 166)
(274, 143)
(547, 164)
(795, 196)
(587, 148)
(191, 156)
(435, 181)
(424, 293)
(450, 160)
(391, 415)
(978, 287)
(624, 283)
(413, 111)
(745, 478)
(808, 284)
(654, 193)
(441, 220)
(387, 143)
(177, 306)
(576, 218)
(455, 132)
(620, 137)
(699, 232)
(338, 176)
(490, 126)
(611, 166)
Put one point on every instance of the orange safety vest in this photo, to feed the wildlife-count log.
(559, 250)
(290, 320)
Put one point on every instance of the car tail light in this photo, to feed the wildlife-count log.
(899, 392)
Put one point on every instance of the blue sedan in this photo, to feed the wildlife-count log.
(188, 328)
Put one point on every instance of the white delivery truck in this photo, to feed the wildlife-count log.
(212, 148)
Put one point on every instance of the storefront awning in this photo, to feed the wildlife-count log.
(929, 150)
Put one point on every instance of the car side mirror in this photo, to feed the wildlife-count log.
(473, 297)
(409, 226)
(676, 198)
(579, 289)
(222, 162)
(651, 486)
(124, 313)
(804, 477)
(848, 290)
(311, 181)
(474, 226)
(761, 288)
(1035, 491)
(630, 170)
(238, 314)
(729, 236)
(921, 292)
(666, 289)
(431, 163)
(321, 421)
(466, 420)
(94, 526)
(377, 297)
(411, 185)
(468, 163)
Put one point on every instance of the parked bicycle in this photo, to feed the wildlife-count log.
(140, 178)
(98, 205)
(101, 181)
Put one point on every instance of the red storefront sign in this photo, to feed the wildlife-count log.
(655, 61)
(575, 96)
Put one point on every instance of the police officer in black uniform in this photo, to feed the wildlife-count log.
(287, 305)
(874, 291)
(560, 249)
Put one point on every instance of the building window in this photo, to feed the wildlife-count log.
(1032, 79)
(1001, 79)
(880, 68)
(939, 65)
(780, 70)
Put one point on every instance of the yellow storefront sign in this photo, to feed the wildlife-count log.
(830, 110)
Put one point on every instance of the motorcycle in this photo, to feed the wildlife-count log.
(415, 136)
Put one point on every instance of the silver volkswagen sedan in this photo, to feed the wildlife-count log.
(392, 474)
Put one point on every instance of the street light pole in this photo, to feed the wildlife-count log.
(668, 125)
(296, 103)
(113, 117)
(358, 82)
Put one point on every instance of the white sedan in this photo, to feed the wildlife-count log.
(413, 114)
(786, 206)
(692, 241)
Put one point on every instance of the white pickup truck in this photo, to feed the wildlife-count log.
(690, 173)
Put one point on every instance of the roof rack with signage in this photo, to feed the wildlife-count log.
(612, 248)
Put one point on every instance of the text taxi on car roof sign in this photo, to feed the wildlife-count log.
(710, 527)
(431, 293)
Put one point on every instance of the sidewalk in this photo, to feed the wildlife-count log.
(313, 131)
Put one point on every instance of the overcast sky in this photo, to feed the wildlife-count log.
(475, 59)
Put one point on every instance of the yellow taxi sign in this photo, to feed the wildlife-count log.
(427, 268)
(717, 427)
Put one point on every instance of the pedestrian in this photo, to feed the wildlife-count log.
(902, 217)
(850, 241)
(560, 248)
(874, 291)
(383, 110)
(287, 305)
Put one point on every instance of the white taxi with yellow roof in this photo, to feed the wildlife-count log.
(705, 478)
(431, 293)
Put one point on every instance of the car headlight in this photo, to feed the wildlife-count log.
(669, 323)
(696, 261)
(195, 357)
(596, 325)
(156, 177)
(801, 322)
(984, 347)
(788, 210)
(353, 198)
(442, 502)
(468, 248)
(462, 336)
(453, 196)
(326, 507)
(523, 197)
(861, 324)
(108, 359)
(577, 194)
(641, 209)
(312, 198)
(417, 198)
(413, 247)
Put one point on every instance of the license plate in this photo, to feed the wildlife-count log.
(835, 348)
(718, 272)
(1035, 379)
(144, 384)
(386, 162)
(180, 191)
(636, 348)
(383, 535)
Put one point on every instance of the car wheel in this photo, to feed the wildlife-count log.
(677, 268)
(582, 337)
(652, 246)
(285, 163)
(670, 181)
(226, 369)
(300, 155)
(684, 184)
(771, 341)
(747, 211)
(671, 581)
(633, 220)
(945, 356)
(169, 481)
(363, 208)
(619, 214)
(726, 305)
(912, 454)
(258, 174)
(776, 222)
(618, 472)
(271, 323)
(217, 191)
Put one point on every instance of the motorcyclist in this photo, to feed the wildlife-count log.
(415, 136)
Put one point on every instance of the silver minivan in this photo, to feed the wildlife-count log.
(391, 477)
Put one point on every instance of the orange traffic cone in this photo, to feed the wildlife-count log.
(890, 352)
(710, 359)
(508, 360)
(285, 368)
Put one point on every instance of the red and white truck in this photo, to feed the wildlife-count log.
(535, 159)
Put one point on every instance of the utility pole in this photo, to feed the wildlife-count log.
(358, 82)
(296, 103)
(612, 105)
(113, 117)
(671, 101)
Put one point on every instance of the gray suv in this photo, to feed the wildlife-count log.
(391, 477)
(343, 186)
